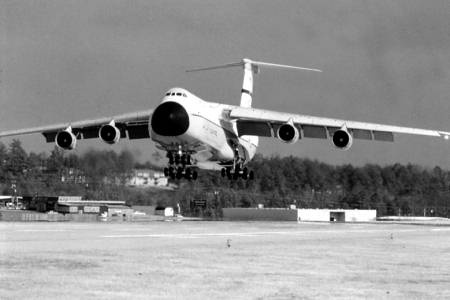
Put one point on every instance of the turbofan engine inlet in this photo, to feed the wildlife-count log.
(66, 140)
(342, 139)
(109, 133)
(288, 133)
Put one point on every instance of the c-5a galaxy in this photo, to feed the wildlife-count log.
(197, 133)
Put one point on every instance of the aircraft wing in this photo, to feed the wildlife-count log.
(134, 125)
(259, 122)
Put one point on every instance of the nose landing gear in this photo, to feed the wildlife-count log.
(180, 166)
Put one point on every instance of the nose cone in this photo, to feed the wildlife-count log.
(170, 119)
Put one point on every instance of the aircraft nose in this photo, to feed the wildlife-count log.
(170, 119)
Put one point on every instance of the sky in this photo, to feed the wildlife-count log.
(383, 61)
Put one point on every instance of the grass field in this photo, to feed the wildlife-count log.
(223, 260)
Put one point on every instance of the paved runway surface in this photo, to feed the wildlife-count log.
(223, 260)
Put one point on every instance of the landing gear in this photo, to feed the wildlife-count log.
(237, 172)
(180, 173)
(178, 158)
(180, 166)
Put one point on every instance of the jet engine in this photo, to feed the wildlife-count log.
(66, 139)
(109, 133)
(342, 139)
(288, 133)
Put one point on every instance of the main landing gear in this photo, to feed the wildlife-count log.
(179, 166)
(237, 170)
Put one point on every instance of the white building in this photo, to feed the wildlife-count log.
(164, 211)
(337, 215)
(148, 178)
(300, 215)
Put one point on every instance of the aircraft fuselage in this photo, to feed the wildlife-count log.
(184, 122)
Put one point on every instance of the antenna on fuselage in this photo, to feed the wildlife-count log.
(250, 67)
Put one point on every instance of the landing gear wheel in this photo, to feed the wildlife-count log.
(228, 172)
(223, 172)
(170, 157)
(180, 164)
(187, 174)
(245, 173)
(179, 173)
(170, 172)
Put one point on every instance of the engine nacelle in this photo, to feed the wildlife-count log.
(66, 140)
(288, 133)
(342, 139)
(109, 133)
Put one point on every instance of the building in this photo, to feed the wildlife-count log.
(300, 215)
(5, 199)
(145, 209)
(337, 215)
(260, 214)
(71, 175)
(46, 203)
(11, 202)
(107, 208)
(164, 211)
(148, 178)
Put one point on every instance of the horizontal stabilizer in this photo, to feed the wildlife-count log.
(250, 67)
(216, 67)
(278, 66)
(253, 63)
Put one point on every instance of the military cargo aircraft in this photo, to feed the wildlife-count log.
(200, 134)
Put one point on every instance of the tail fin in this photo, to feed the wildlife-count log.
(250, 67)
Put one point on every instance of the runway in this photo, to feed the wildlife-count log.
(223, 260)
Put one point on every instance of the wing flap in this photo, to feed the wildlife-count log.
(318, 132)
(135, 123)
(138, 131)
(254, 128)
(49, 136)
(383, 136)
(362, 134)
(91, 132)
(319, 127)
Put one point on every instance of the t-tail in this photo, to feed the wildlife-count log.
(251, 67)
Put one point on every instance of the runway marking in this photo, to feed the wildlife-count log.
(42, 230)
(441, 229)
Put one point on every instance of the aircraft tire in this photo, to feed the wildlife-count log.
(187, 174)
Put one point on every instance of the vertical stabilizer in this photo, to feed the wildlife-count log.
(251, 67)
(247, 83)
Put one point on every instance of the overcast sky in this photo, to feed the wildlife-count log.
(384, 61)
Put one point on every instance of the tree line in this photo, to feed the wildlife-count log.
(279, 182)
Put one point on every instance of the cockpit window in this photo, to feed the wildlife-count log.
(176, 94)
